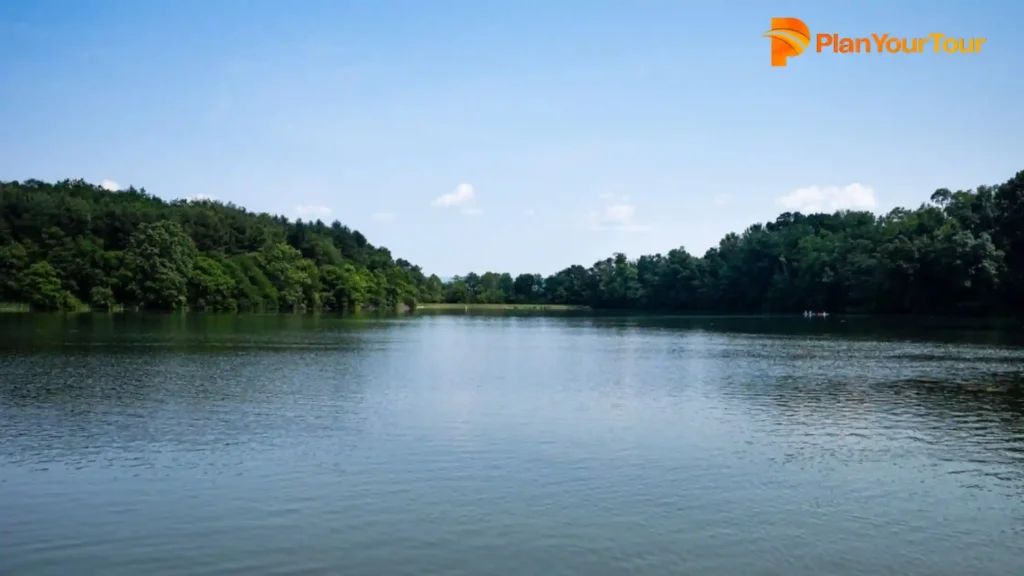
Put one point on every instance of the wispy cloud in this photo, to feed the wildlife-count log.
(312, 211)
(464, 197)
(200, 198)
(829, 198)
(618, 214)
(110, 185)
(462, 194)
(722, 199)
(383, 216)
(529, 213)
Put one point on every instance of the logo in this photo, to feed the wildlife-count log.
(790, 37)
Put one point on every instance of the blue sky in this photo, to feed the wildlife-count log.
(559, 131)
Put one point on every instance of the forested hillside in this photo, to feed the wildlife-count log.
(960, 253)
(71, 243)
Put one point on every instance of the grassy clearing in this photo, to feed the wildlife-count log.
(489, 307)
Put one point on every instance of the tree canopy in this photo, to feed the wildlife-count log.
(71, 242)
(959, 253)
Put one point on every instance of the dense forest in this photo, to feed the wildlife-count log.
(959, 253)
(71, 244)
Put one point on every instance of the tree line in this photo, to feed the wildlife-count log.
(959, 253)
(71, 244)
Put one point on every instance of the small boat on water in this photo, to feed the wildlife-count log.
(810, 314)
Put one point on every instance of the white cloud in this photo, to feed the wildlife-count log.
(722, 199)
(829, 199)
(383, 216)
(110, 185)
(200, 198)
(617, 215)
(529, 213)
(462, 194)
(312, 211)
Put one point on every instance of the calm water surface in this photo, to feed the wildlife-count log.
(508, 445)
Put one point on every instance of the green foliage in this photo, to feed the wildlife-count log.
(13, 259)
(281, 262)
(961, 253)
(70, 241)
(344, 288)
(40, 286)
(210, 286)
(158, 264)
(262, 293)
(128, 247)
(101, 298)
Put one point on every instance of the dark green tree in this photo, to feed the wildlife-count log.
(158, 264)
(41, 288)
(211, 287)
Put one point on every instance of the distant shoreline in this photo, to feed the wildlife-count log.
(20, 308)
(471, 307)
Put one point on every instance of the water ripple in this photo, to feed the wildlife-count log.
(508, 445)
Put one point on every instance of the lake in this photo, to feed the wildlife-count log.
(509, 444)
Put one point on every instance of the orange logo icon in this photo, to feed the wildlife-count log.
(790, 37)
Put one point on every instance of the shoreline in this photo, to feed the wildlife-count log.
(451, 306)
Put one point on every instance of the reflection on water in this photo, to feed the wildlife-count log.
(509, 444)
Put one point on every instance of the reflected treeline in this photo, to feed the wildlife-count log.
(137, 407)
(993, 332)
(178, 332)
(88, 388)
